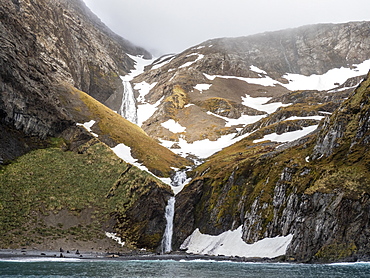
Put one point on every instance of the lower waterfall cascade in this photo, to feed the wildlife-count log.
(167, 236)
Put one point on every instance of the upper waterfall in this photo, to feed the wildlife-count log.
(128, 108)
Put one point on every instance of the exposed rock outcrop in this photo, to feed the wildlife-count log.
(198, 70)
(49, 42)
(316, 189)
(59, 65)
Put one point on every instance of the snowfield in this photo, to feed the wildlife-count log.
(203, 148)
(326, 81)
(260, 103)
(230, 243)
(173, 126)
(288, 136)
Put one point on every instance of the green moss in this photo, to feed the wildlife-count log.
(47, 181)
(335, 252)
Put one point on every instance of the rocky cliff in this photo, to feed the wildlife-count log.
(289, 103)
(60, 182)
(49, 49)
(209, 88)
(315, 188)
(44, 43)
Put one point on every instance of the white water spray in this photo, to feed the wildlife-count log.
(177, 184)
(128, 108)
(179, 180)
(167, 236)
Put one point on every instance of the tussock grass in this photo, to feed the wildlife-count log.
(148, 151)
(47, 181)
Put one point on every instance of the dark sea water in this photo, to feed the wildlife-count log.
(164, 269)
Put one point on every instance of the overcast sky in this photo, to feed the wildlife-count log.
(171, 26)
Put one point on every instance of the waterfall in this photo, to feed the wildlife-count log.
(128, 108)
(167, 236)
(178, 181)
(179, 178)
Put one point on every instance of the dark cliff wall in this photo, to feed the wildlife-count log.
(316, 188)
(48, 43)
(307, 50)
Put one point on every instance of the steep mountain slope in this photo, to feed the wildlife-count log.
(296, 165)
(216, 88)
(49, 48)
(314, 188)
(52, 198)
(60, 179)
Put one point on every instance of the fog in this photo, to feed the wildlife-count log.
(171, 26)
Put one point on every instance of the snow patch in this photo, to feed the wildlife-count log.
(230, 243)
(203, 148)
(255, 69)
(288, 136)
(260, 103)
(173, 126)
(161, 63)
(88, 126)
(188, 64)
(243, 120)
(143, 88)
(202, 87)
(124, 152)
(294, 118)
(115, 237)
(144, 109)
(264, 81)
(327, 80)
(140, 64)
(325, 113)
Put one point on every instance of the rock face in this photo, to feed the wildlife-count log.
(303, 50)
(204, 87)
(49, 43)
(315, 188)
(59, 65)
(53, 53)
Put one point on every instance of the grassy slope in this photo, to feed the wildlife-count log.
(47, 181)
(155, 157)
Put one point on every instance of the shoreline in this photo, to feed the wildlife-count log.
(14, 254)
(37, 255)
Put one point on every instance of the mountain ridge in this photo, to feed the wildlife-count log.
(272, 157)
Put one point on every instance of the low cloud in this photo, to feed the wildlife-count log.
(171, 26)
